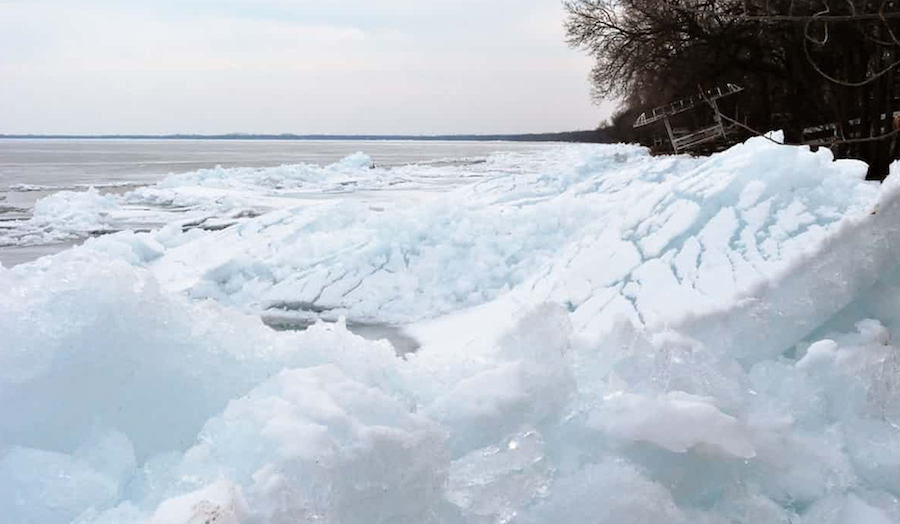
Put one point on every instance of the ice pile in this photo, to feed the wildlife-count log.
(186, 198)
(343, 174)
(607, 337)
(63, 216)
(222, 190)
(676, 237)
(220, 197)
(35, 188)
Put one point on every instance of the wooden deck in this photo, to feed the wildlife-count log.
(683, 140)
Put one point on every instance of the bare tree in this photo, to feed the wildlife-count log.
(829, 65)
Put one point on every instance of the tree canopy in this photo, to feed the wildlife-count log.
(803, 62)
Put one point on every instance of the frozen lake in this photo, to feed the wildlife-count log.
(34, 169)
(62, 162)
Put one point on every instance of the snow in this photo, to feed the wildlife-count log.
(605, 336)
(677, 422)
(822, 353)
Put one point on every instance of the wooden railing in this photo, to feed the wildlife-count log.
(702, 136)
(686, 104)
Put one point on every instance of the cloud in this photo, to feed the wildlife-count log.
(348, 66)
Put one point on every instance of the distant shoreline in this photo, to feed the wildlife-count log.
(571, 136)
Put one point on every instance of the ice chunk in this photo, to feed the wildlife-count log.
(219, 503)
(609, 492)
(845, 510)
(43, 487)
(531, 385)
(677, 422)
(65, 215)
(496, 482)
(358, 160)
(857, 511)
(308, 445)
(819, 354)
(110, 349)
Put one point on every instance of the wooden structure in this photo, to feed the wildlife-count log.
(828, 134)
(683, 141)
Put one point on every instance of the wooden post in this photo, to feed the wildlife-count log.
(718, 117)
(671, 134)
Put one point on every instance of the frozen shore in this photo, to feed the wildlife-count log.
(601, 336)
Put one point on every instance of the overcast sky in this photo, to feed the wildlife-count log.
(300, 66)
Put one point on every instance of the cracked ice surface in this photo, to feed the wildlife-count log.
(609, 232)
(675, 236)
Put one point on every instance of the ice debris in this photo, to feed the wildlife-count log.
(606, 337)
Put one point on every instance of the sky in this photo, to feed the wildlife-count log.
(290, 66)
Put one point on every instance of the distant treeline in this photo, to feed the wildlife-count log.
(829, 67)
(569, 136)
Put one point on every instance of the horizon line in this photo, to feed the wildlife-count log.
(547, 136)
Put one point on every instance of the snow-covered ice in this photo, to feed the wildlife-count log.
(606, 336)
